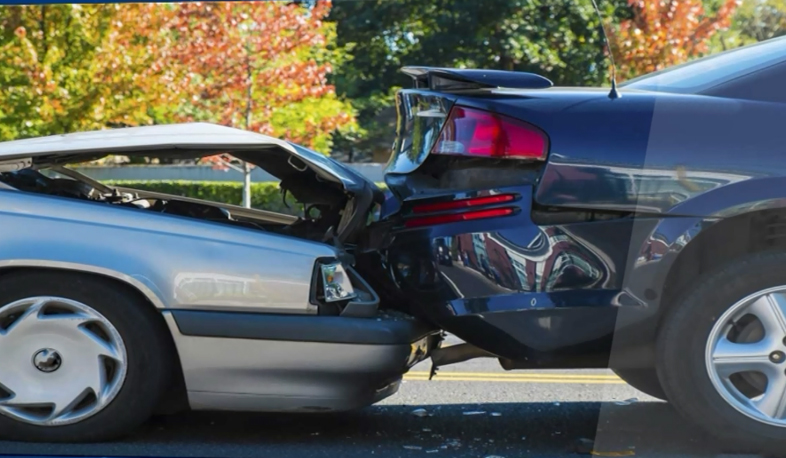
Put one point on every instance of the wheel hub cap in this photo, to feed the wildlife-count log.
(47, 360)
(60, 361)
(745, 356)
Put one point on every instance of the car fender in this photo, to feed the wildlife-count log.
(183, 263)
(143, 285)
(652, 257)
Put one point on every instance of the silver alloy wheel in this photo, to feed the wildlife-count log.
(746, 356)
(60, 361)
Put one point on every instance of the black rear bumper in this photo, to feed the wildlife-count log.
(521, 290)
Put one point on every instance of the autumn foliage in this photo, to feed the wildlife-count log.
(665, 32)
(266, 65)
(261, 66)
(63, 70)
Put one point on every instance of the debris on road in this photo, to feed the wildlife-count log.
(420, 413)
(475, 412)
(627, 402)
(453, 443)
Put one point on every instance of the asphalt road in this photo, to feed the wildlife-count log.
(543, 414)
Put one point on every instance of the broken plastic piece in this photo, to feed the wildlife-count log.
(419, 413)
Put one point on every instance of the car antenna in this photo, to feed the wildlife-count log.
(613, 94)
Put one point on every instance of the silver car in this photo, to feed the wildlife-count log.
(118, 303)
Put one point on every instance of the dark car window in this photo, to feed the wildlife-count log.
(763, 86)
(708, 72)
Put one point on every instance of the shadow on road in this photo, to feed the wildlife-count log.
(530, 429)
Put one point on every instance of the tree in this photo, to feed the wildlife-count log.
(759, 20)
(63, 68)
(662, 33)
(261, 66)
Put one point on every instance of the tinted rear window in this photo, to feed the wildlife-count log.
(705, 73)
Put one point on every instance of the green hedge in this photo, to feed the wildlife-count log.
(265, 196)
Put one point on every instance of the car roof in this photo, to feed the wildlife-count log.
(186, 136)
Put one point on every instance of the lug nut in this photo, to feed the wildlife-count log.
(777, 357)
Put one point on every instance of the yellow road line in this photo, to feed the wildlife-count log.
(520, 378)
(502, 379)
(519, 374)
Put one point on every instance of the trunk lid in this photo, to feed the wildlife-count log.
(315, 177)
(177, 140)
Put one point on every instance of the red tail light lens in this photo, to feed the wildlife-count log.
(463, 203)
(472, 132)
(468, 216)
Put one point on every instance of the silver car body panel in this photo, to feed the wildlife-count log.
(175, 261)
(280, 376)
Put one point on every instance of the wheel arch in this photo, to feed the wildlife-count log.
(721, 243)
(134, 284)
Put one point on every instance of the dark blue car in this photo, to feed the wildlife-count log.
(643, 231)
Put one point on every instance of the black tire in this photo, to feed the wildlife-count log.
(149, 354)
(644, 380)
(682, 339)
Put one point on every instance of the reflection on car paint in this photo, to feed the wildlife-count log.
(210, 289)
(620, 186)
(480, 264)
(548, 263)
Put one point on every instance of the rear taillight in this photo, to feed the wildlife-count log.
(454, 218)
(468, 205)
(473, 132)
(463, 203)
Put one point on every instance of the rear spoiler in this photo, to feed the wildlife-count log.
(457, 79)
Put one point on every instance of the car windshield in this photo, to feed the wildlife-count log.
(699, 75)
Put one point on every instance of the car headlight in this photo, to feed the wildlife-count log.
(336, 283)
